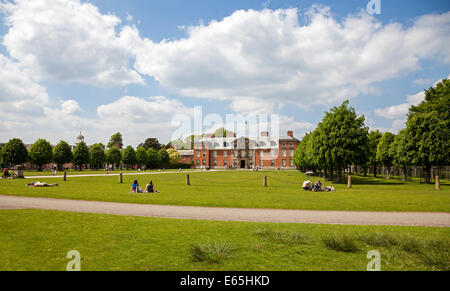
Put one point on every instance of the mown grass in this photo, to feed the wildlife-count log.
(40, 240)
(245, 190)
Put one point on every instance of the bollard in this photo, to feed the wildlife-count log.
(188, 181)
(438, 183)
(65, 176)
(121, 178)
(265, 181)
(349, 184)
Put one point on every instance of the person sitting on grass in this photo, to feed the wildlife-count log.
(150, 188)
(135, 187)
(6, 173)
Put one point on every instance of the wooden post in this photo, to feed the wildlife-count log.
(65, 176)
(349, 184)
(438, 183)
(188, 180)
(265, 181)
(121, 178)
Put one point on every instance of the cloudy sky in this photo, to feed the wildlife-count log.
(131, 66)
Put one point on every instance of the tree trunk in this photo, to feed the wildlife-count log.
(325, 172)
(331, 173)
(404, 174)
(375, 170)
(40, 168)
(428, 174)
(365, 171)
(339, 175)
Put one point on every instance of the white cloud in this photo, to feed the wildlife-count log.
(267, 55)
(69, 41)
(399, 112)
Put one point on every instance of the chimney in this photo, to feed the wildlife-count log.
(290, 133)
(265, 134)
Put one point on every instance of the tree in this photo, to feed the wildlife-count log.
(302, 158)
(116, 140)
(174, 156)
(128, 156)
(97, 155)
(374, 140)
(41, 153)
(62, 154)
(346, 136)
(151, 143)
(163, 157)
(141, 156)
(385, 155)
(401, 151)
(428, 129)
(14, 152)
(81, 155)
(153, 160)
(113, 156)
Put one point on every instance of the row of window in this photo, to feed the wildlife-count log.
(284, 163)
(273, 153)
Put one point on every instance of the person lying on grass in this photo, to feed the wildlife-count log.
(150, 188)
(39, 184)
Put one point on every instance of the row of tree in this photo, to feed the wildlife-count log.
(96, 156)
(342, 140)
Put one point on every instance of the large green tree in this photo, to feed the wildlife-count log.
(81, 155)
(153, 160)
(14, 152)
(97, 156)
(41, 153)
(372, 147)
(129, 157)
(113, 157)
(163, 157)
(346, 136)
(116, 139)
(401, 151)
(141, 157)
(428, 129)
(62, 154)
(385, 155)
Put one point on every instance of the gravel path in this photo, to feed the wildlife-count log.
(230, 214)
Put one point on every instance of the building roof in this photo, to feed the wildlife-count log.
(186, 152)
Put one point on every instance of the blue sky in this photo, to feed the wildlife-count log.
(94, 64)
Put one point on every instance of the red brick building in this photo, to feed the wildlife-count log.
(245, 153)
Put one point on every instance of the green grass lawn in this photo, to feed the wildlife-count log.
(85, 172)
(40, 240)
(245, 190)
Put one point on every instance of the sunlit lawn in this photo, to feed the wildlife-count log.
(245, 190)
(40, 240)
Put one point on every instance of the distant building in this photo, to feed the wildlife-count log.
(244, 153)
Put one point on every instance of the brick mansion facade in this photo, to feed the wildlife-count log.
(243, 152)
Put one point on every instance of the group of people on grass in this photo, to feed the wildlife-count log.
(317, 187)
(149, 188)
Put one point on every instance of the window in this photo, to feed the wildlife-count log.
(261, 163)
(284, 163)
(225, 154)
(225, 163)
(250, 154)
(284, 153)
(291, 163)
(215, 163)
(204, 163)
(273, 163)
(261, 154)
(198, 154)
(204, 154)
(236, 154)
(215, 154)
(183, 158)
(284, 145)
(291, 153)
(242, 154)
(198, 162)
(291, 144)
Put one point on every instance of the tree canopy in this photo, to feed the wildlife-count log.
(113, 156)
(62, 154)
(129, 156)
(97, 156)
(81, 155)
(41, 153)
(141, 156)
(151, 143)
(116, 139)
(14, 152)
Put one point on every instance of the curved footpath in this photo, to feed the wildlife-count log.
(230, 214)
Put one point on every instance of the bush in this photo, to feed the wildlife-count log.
(211, 253)
(380, 239)
(282, 237)
(340, 243)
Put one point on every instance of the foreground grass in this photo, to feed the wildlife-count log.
(40, 240)
(245, 190)
(47, 173)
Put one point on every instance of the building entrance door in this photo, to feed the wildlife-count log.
(242, 164)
